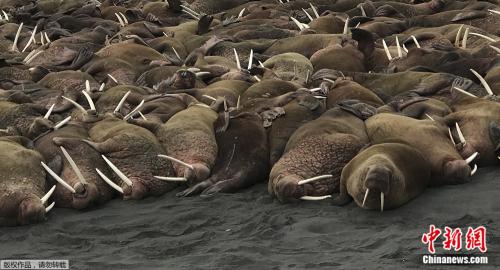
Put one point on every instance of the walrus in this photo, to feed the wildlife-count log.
(22, 183)
(27, 119)
(384, 176)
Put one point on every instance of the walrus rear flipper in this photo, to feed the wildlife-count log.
(361, 110)
(196, 189)
(342, 199)
(204, 24)
(224, 186)
(83, 57)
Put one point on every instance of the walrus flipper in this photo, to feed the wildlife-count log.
(342, 199)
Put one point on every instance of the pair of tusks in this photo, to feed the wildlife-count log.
(46, 197)
(135, 110)
(483, 81)
(381, 199)
(174, 179)
(6, 16)
(309, 180)
(314, 10)
(238, 63)
(300, 25)
(113, 78)
(44, 38)
(80, 107)
(122, 19)
(74, 167)
(190, 12)
(463, 142)
(466, 36)
(32, 38)
(398, 45)
(14, 45)
(120, 174)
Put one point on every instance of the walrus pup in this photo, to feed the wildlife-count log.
(22, 183)
(384, 176)
(242, 159)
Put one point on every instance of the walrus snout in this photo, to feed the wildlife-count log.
(378, 179)
(39, 126)
(199, 173)
(457, 170)
(135, 192)
(85, 195)
(31, 211)
(287, 189)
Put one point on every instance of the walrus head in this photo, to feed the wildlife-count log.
(39, 126)
(31, 210)
(377, 180)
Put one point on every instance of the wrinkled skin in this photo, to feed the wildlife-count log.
(345, 89)
(428, 137)
(320, 147)
(94, 191)
(395, 169)
(134, 150)
(26, 119)
(22, 183)
(290, 67)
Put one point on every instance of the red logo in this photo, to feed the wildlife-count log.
(474, 239)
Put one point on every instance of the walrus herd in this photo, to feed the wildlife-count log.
(368, 101)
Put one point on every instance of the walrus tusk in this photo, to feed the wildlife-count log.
(47, 38)
(387, 52)
(14, 46)
(238, 64)
(315, 198)
(315, 89)
(113, 78)
(256, 78)
(315, 11)
(78, 106)
(404, 48)
(346, 26)
(189, 9)
(209, 97)
(250, 60)
(471, 158)
(109, 182)
(143, 117)
(483, 82)
(120, 104)
(308, 15)
(240, 15)
(321, 177)
(238, 102)
(171, 179)
(125, 20)
(299, 24)
(495, 48)
(483, 36)
(32, 38)
(430, 117)
(33, 57)
(202, 73)
(260, 63)
(381, 201)
(41, 39)
(47, 115)
(46, 197)
(30, 54)
(176, 53)
(50, 207)
(464, 92)
(464, 40)
(87, 86)
(329, 80)
(122, 176)
(57, 178)
(366, 196)
(416, 41)
(177, 161)
(451, 136)
(75, 168)
(89, 100)
(6, 15)
(400, 53)
(320, 97)
(460, 134)
(473, 170)
(363, 12)
(134, 111)
(62, 123)
(102, 87)
(191, 14)
(457, 38)
(122, 24)
(494, 11)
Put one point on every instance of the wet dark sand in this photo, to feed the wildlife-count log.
(251, 231)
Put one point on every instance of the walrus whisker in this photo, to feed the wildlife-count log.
(460, 134)
(89, 100)
(474, 170)
(464, 92)
(133, 111)
(483, 82)
(381, 201)
(430, 117)
(48, 208)
(171, 179)
(387, 52)
(16, 38)
(457, 37)
(494, 11)
(451, 136)
(109, 182)
(238, 64)
(125, 20)
(250, 60)
(46, 197)
(299, 25)
(400, 53)
(366, 196)
(32, 38)
(78, 106)
(415, 41)
(308, 15)
(120, 104)
(209, 97)
(120, 20)
(72, 163)
(57, 178)
(113, 78)
(495, 48)
(464, 39)
(346, 27)
(321, 177)
(315, 11)
(62, 123)
(315, 198)
(120, 174)
(483, 36)
(240, 15)
(47, 115)
(177, 161)
(471, 158)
